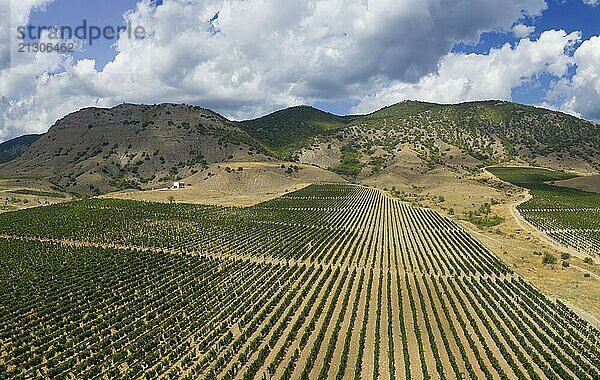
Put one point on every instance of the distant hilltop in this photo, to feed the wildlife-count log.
(97, 150)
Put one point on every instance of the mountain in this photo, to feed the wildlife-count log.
(284, 132)
(98, 150)
(12, 149)
(480, 132)
(461, 136)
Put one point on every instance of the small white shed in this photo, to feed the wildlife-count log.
(178, 185)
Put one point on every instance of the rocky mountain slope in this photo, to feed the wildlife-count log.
(12, 149)
(463, 136)
(98, 150)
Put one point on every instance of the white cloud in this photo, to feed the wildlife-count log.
(581, 94)
(257, 55)
(464, 77)
(522, 31)
(14, 13)
(593, 3)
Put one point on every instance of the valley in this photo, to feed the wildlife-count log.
(414, 242)
(373, 286)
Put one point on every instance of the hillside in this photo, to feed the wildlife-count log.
(237, 184)
(99, 150)
(585, 183)
(468, 135)
(12, 149)
(284, 132)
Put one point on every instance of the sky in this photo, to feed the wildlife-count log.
(246, 58)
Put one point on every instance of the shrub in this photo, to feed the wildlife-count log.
(565, 255)
(565, 264)
(588, 260)
(548, 259)
(350, 162)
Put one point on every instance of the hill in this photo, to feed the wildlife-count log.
(99, 150)
(472, 134)
(96, 150)
(11, 149)
(284, 132)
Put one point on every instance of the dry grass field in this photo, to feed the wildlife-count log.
(586, 183)
(22, 193)
(228, 185)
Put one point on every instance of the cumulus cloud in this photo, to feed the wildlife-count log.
(464, 77)
(593, 3)
(244, 58)
(522, 31)
(581, 94)
(14, 13)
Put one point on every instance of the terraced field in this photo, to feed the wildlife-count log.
(570, 216)
(332, 281)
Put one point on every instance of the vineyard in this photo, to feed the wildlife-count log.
(328, 282)
(569, 216)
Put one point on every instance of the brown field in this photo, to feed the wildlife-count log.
(586, 183)
(224, 184)
(11, 199)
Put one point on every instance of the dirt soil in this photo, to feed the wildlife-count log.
(587, 183)
(227, 185)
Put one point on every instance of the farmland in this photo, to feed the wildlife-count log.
(330, 281)
(570, 216)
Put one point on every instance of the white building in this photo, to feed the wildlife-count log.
(178, 185)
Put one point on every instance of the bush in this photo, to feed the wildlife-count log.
(548, 259)
(350, 164)
(565, 264)
(484, 221)
(565, 255)
(588, 260)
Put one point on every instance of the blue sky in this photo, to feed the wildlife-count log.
(73, 12)
(568, 15)
(342, 56)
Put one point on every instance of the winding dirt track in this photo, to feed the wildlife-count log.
(541, 235)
